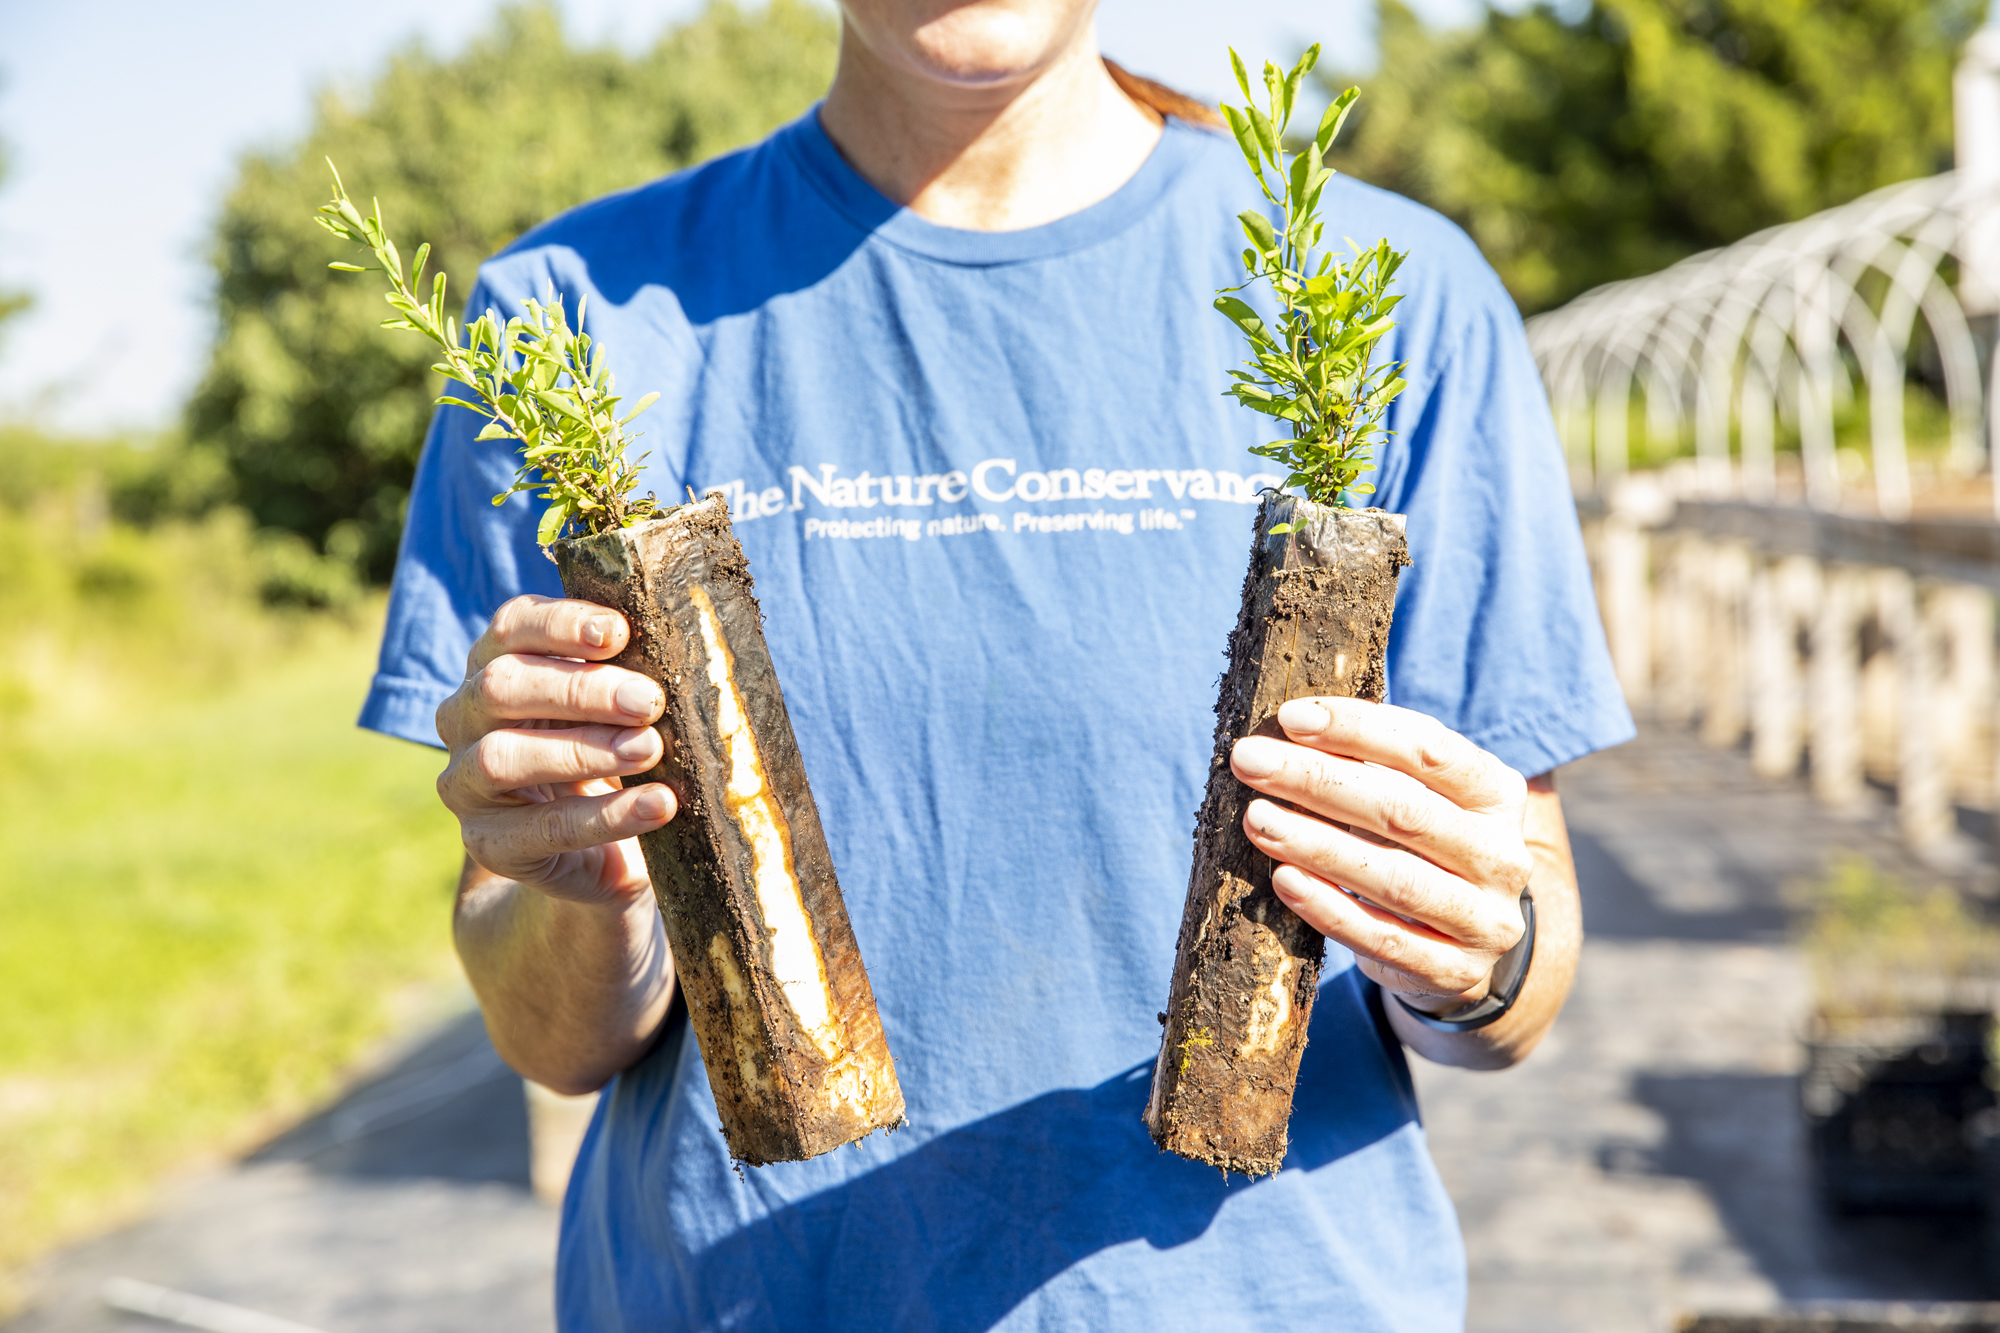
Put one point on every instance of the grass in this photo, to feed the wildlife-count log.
(1926, 430)
(216, 892)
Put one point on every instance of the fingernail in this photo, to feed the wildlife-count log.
(1256, 757)
(1304, 717)
(638, 698)
(597, 631)
(634, 744)
(1288, 884)
(651, 804)
(1263, 818)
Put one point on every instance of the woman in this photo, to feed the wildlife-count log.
(981, 263)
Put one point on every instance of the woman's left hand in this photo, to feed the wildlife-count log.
(1404, 844)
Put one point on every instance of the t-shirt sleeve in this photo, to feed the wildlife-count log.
(461, 557)
(1497, 632)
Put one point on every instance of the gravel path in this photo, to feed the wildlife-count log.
(1646, 1163)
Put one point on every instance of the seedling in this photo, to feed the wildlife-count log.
(1315, 619)
(1316, 369)
(537, 381)
(762, 946)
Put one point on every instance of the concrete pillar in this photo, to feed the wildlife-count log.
(1724, 700)
(1622, 560)
(1678, 640)
(1975, 98)
(1961, 623)
(1923, 794)
(1833, 687)
(1881, 702)
(556, 1126)
(1784, 596)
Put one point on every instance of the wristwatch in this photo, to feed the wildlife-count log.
(1509, 975)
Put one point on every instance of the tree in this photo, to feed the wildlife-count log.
(318, 412)
(1578, 146)
(12, 303)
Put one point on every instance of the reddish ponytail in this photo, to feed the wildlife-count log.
(1162, 99)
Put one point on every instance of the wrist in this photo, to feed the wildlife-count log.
(621, 910)
(596, 882)
(1446, 1006)
(1503, 986)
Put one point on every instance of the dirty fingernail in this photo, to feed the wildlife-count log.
(638, 698)
(1263, 818)
(597, 631)
(1304, 717)
(1256, 757)
(651, 804)
(634, 744)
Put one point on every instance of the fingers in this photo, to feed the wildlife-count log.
(540, 662)
(492, 769)
(516, 687)
(1462, 914)
(1486, 849)
(1418, 989)
(1408, 742)
(547, 843)
(550, 627)
(1432, 963)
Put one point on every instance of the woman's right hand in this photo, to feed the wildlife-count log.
(539, 734)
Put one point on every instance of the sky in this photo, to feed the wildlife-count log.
(124, 120)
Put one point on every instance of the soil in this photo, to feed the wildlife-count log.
(1317, 605)
(776, 991)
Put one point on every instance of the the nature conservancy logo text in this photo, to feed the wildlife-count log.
(994, 481)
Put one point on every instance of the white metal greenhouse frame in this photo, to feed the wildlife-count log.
(1727, 336)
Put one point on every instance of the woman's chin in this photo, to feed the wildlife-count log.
(988, 45)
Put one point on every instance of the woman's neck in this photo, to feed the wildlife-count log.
(993, 156)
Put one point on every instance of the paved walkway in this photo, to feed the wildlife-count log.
(1647, 1162)
(402, 1209)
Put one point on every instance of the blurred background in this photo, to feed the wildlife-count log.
(1757, 243)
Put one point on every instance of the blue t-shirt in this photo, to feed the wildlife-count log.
(998, 513)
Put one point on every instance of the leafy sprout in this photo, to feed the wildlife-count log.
(1316, 368)
(536, 380)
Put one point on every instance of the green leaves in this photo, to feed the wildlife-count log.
(1584, 143)
(1255, 225)
(1239, 313)
(1314, 366)
(554, 519)
(1335, 117)
(318, 419)
(534, 379)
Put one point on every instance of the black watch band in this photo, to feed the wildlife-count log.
(1509, 975)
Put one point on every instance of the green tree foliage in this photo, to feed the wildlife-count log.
(12, 303)
(1316, 368)
(320, 413)
(1580, 144)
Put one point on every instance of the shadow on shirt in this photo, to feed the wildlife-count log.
(957, 1232)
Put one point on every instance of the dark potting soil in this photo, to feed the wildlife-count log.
(744, 878)
(1315, 617)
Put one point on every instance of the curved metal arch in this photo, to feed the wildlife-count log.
(1723, 333)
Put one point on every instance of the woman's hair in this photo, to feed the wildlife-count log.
(1158, 97)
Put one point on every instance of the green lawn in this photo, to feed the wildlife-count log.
(212, 898)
